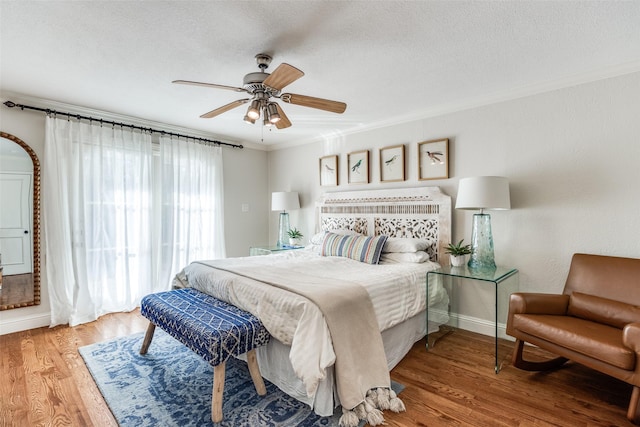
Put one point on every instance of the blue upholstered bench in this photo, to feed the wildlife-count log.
(211, 328)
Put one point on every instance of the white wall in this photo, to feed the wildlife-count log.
(245, 182)
(572, 157)
(245, 173)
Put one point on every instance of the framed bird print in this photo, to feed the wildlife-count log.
(433, 159)
(392, 163)
(358, 164)
(329, 171)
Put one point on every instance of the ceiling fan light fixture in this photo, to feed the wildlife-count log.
(272, 111)
(262, 87)
(254, 110)
(267, 117)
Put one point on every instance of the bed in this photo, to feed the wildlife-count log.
(414, 225)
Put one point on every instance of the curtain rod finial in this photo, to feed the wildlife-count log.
(10, 104)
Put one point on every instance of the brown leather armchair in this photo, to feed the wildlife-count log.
(595, 321)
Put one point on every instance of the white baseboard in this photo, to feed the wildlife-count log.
(480, 326)
(24, 323)
(473, 324)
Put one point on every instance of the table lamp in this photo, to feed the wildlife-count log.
(284, 201)
(480, 193)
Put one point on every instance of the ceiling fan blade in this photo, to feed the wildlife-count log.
(284, 120)
(310, 101)
(211, 85)
(284, 75)
(225, 108)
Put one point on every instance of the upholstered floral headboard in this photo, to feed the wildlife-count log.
(422, 212)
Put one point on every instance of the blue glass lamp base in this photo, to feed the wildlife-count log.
(482, 243)
(283, 236)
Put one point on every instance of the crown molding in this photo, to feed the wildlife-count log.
(513, 94)
(482, 101)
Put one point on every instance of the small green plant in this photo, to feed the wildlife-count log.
(294, 233)
(458, 249)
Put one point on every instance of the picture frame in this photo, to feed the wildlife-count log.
(392, 163)
(433, 159)
(358, 167)
(328, 168)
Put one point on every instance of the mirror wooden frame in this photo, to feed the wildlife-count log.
(35, 225)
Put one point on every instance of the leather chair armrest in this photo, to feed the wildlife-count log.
(533, 303)
(631, 336)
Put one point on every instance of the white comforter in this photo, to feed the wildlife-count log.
(397, 292)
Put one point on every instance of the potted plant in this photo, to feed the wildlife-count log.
(458, 253)
(295, 236)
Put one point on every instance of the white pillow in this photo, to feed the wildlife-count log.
(404, 257)
(318, 238)
(405, 244)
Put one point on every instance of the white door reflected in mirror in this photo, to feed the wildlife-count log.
(19, 223)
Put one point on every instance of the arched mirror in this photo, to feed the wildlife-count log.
(19, 224)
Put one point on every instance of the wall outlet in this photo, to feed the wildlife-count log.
(245, 207)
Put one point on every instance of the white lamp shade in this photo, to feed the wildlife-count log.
(483, 192)
(284, 201)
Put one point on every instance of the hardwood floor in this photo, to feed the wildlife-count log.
(44, 382)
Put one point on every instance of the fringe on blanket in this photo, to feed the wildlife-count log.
(180, 281)
(377, 400)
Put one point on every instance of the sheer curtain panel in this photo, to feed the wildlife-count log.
(97, 204)
(191, 195)
(121, 221)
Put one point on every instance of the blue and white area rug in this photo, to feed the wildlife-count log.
(172, 386)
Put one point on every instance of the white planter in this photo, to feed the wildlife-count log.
(294, 242)
(457, 260)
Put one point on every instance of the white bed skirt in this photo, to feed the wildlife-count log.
(273, 360)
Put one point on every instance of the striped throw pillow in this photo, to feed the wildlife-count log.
(360, 248)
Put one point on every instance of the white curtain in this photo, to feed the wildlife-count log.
(191, 223)
(104, 201)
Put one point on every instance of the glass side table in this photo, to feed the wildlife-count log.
(501, 291)
(266, 250)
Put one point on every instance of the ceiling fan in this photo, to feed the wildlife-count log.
(263, 87)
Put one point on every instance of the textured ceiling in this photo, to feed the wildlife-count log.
(389, 61)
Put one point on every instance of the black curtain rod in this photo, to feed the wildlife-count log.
(11, 104)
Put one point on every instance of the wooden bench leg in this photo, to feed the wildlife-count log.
(147, 338)
(254, 369)
(218, 389)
